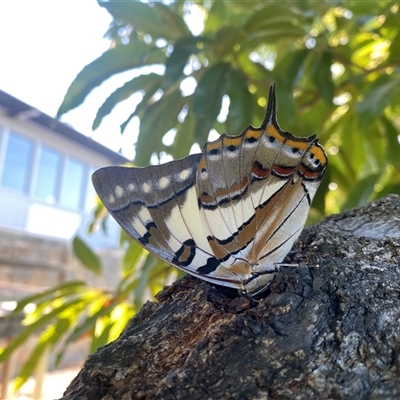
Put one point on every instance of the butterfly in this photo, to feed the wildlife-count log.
(228, 215)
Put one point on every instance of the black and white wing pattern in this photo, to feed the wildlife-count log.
(227, 215)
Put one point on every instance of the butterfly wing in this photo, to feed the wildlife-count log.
(255, 191)
(227, 215)
(157, 206)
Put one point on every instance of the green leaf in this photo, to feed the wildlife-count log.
(158, 119)
(184, 137)
(102, 339)
(351, 151)
(322, 76)
(394, 49)
(277, 18)
(377, 98)
(312, 118)
(392, 145)
(30, 365)
(276, 32)
(35, 326)
(86, 256)
(215, 15)
(241, 104)
(228, 40)
(374, 148)
(389, 189)
(141, 82)
(254, 72)
(143, 280)
(286, 108)
(143, 105)
(174, 21)
(178, 59)
(154, 21)
(290, 68)
(131, 257)
(120, 317)
(62, 290)
(86, 325)
(319, 199)
(118, 59)
(47, 339)
(207, 99)
(361, 192)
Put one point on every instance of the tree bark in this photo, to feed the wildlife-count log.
(327, 329)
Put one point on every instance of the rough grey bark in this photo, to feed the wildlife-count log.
(328, 329)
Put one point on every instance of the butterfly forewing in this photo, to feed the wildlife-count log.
(227, 215)
(157, 206)
(126, 200)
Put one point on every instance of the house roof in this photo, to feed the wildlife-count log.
(17, 108)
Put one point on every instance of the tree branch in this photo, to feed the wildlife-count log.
(329, 328)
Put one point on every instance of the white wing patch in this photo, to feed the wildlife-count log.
(164, 182)
(146, 187)
(194, 223)
(185, 174)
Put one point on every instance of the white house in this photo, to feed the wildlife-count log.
(45, 169)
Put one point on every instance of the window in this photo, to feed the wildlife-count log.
(47, 179)
(73, 189)
(17, 163)
(57, 179)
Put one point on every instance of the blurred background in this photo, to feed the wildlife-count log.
(109, 83)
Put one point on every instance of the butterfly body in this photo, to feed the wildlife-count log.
(228, 215)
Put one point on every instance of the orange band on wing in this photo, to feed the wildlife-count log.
(319, 154)
(232, 141)
(272, 131)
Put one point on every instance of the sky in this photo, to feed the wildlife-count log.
(43, 46)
